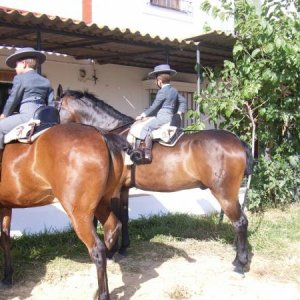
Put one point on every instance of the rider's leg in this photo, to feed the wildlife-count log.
(148, 148)
(6, 125)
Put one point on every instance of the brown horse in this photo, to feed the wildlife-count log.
(73, 164)
(213, 159)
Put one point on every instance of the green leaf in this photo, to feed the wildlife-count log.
(279, 42)
(268, 48)
(229, 64)
(238, 48)
(255, 52)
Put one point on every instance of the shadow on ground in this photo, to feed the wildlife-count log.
(32, 254)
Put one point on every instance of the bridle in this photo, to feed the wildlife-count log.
(58, 103)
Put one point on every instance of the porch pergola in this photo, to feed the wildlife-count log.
(111, 45)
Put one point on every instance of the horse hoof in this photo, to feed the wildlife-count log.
(123, 252)
(5, 285)
(109, 256)
(238, 269)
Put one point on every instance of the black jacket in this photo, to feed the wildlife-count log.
(167, 99)
(29, 85)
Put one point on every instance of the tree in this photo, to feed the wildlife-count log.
(257, 94)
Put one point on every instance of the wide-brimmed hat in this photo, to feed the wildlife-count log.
(162, 69)
(24, 53)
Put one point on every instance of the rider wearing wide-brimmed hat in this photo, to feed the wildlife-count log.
(29, 91)
(166, 103)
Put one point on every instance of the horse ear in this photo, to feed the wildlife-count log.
(59, 91)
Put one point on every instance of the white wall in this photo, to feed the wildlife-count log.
(137, 15)
(141, 204)
(66, 8)
(140, 15)
(113, 84)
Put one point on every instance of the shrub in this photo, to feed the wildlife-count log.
(275, 182)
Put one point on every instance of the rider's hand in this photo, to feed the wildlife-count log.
(180, 114)
(2, 116)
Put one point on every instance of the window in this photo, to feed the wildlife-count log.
(173, 4)
(180, 5)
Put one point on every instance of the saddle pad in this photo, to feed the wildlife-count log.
(137, 127)
(22, 131)
(173, 140)
(127, 160)
(165, 133)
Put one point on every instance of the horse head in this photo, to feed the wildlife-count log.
(86, 108)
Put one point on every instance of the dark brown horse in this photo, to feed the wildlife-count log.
(73, 164)
(213, 159)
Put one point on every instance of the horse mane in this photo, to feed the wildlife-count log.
(97, 105)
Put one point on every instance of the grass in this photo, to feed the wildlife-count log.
(275, 231)
(274, 235)
(30, 252)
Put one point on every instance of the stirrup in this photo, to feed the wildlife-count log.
(147, 160)
(147, 157)
(137, 156)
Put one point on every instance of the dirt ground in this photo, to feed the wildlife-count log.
(178, 270)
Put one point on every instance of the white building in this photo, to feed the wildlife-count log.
(109, 47)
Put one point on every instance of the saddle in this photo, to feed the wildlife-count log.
(167, 135)
(44, 118)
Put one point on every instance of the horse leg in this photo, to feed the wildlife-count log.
(111, 227)
(241, 258)
(125, 242)
(85, 230)
(116, 207)
(233, 211)
(5, 214)
(95, 222)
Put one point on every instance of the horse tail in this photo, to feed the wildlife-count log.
(249, 159)
(116, 143)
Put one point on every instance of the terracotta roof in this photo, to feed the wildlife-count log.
(109, 45)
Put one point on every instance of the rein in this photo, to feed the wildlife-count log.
(58, 104)
(124, 125)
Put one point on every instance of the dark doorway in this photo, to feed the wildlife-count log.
(5, 88)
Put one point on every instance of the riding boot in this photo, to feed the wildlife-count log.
(148, 149)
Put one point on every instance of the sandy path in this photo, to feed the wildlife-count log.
(185, 275)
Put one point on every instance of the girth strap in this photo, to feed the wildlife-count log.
(132, 175)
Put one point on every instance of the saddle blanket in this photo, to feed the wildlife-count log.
(23, 132)
(164, 134)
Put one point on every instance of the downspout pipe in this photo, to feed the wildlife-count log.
(39, 47)
(198, 70)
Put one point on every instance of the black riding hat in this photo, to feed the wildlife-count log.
(162, 69)
(24, 53)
